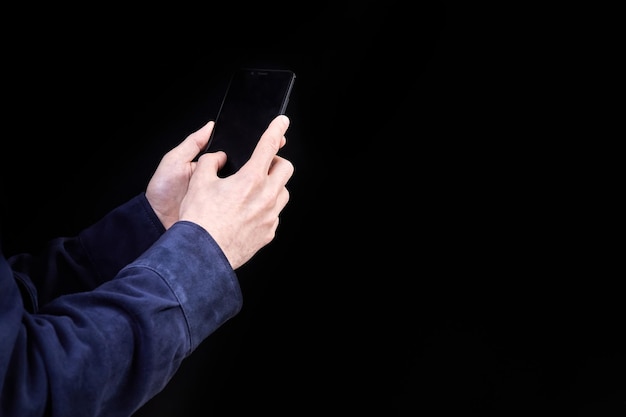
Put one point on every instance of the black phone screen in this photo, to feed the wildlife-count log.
(254, 97)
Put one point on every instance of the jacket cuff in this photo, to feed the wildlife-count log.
(121, 236)
(200, 276)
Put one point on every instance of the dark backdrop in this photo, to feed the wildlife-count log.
(436, 255)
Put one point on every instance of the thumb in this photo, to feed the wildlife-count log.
(269, 144)
(193, 144)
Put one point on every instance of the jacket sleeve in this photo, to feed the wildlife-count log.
(109, 350)
(74, 264)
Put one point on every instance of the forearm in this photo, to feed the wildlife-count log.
(81, 263)
(108, 351)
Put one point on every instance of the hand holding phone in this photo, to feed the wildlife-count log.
(254, 97)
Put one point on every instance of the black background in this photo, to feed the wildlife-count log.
(444, 249)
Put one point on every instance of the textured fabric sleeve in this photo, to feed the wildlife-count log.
(108, 351)
(73, 264)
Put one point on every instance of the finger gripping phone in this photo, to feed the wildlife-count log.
(253, 98)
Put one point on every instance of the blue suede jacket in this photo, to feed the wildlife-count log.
(97, 324)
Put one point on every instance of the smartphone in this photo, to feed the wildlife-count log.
(253, 98)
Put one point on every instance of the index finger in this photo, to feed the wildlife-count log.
(269, 144)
